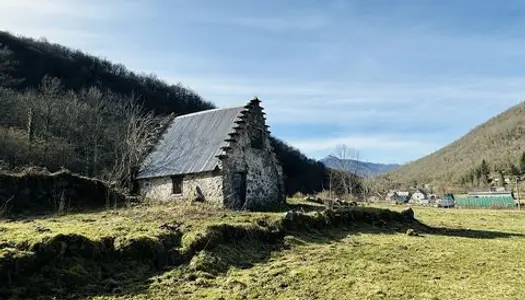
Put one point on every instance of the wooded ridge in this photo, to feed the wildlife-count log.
(491, 150)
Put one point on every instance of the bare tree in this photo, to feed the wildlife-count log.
(131, 147)
(98, 104)
(367, 187)
(346, 159)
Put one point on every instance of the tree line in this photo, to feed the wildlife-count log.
(92, 132)
(483, 175)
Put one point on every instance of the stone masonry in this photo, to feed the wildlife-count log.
(248, 174)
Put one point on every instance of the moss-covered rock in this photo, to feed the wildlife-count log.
(207, 262)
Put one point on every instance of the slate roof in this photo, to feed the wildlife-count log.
(191, 143)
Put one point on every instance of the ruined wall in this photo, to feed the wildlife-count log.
(34, 192)
(160, 188)
(264, 176)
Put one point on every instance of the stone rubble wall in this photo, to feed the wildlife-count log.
(161, 188)
(158, 188)
(39, 191)
(210, 184)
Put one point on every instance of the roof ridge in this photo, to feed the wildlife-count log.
(208, 111)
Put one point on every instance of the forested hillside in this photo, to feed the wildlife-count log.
(63, 108)
(492, 150)
(77, 70)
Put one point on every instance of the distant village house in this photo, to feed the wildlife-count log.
(418, 196)
(223, 156)
(398, 197)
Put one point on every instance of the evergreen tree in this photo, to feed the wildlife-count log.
(478, 175)
(485, 172)
(501, 178)
(514, 171)
(522, 164)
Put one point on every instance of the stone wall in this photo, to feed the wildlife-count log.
(264, 176)
(35, 192)
(211, 186)
(160, 188)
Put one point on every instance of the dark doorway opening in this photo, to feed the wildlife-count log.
(239, 186)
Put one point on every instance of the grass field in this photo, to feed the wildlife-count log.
(480, 257)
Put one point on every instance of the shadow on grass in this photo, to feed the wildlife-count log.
(392, 226)
(83, 277)
(471, 233)
(305, 207)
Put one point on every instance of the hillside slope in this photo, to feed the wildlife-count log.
(61, 107)
(35, 59)
(500, 142)
(363, 168)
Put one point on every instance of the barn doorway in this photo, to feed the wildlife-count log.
(239, 186)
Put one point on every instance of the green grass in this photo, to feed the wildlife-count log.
(478, 256)
(354, 264)
(140, 221)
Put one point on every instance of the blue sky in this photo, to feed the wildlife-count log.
(394, 79)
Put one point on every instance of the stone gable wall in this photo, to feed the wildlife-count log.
(264, 176)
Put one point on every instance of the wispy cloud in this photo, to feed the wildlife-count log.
(53, 8)
(391, 148)
(385, 142)
(355, 102)
(272, 23)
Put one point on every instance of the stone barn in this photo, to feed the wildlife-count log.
(223, 156)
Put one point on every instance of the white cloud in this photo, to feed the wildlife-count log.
(375, 148)
(68, 21)
(340, 103)
(267, 16)
(27, 9)
(302, 22)
(384, 142)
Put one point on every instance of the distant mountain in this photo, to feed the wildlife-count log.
(363, 168)
(499, 142)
